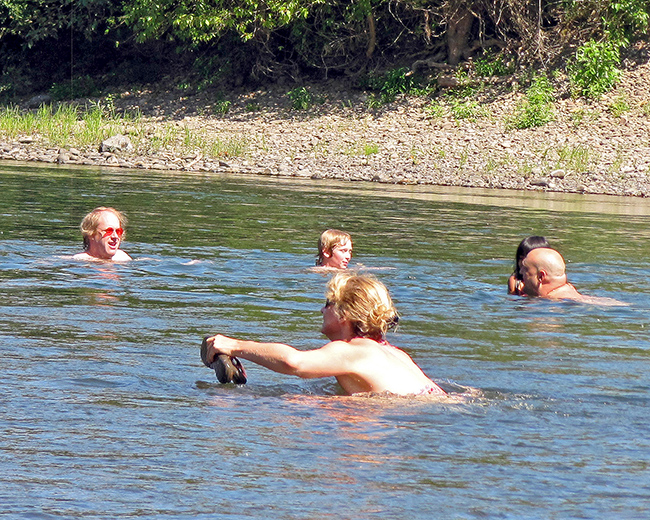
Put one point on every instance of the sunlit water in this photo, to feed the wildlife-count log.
(106, 410)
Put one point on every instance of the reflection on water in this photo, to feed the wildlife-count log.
(108, 412)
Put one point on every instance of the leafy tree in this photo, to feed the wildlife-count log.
(594, 69)
(294, 37)
(35, 20)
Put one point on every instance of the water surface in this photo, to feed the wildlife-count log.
(107, 411)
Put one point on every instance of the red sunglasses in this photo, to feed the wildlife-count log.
(109, 231)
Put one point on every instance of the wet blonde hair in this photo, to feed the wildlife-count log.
(329, 239)
(364, 301)
(90, 222)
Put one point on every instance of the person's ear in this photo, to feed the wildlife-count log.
(542, 276)
(327, 254)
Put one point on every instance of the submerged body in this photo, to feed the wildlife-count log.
(356, 316)
(360, 365)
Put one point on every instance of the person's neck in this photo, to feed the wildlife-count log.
(558, 288)
(345, 333)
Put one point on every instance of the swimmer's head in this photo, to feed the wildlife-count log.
(334, 249)
(542, 267)
(525, 247)
(365, 302)
(90, 223)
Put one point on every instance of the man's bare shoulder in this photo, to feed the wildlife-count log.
(119, 256)
(84, 256)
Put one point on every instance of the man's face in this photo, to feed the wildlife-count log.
(340, 255)
(531, 281)
(105, 242)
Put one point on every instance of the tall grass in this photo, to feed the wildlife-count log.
(73, 126)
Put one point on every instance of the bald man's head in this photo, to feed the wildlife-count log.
(543, 270)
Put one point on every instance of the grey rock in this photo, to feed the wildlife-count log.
(447, 81)
(117, 143)
(39, 100)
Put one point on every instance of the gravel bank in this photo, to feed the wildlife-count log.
(600, 148)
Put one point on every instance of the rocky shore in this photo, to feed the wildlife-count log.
(601, 147)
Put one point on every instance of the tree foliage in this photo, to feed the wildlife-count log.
(32, 21)
(295, 37)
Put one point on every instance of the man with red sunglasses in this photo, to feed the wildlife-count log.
(103, 229)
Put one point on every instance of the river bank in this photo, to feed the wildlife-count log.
(598, 147)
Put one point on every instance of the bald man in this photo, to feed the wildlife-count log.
(544, 273)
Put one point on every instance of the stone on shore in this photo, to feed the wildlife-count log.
(117, 143)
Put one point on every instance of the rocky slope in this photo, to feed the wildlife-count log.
(600, 147)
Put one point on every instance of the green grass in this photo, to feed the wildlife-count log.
(434, 110)
(577, 158)
(361, 149)
(493, 65)
(645, 109)
(536, 109)
(467, 109)
(71, 126)
(583, 116)
(619, 106)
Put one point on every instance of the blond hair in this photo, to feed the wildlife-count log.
(365, 302)
(90, 222)
(329, 239)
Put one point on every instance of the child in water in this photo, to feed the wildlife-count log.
(358, 313)
(334, 249)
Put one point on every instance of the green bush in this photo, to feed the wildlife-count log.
(392, 83)
(79, 87)
(301, 98)
(221, 107)
(627, 19)
(466, 109)
(594, 69)
(490, 65)
(537, 109)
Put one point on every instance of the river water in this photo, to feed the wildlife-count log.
(106, 410)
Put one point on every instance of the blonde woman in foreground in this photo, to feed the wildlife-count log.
(357, 315)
